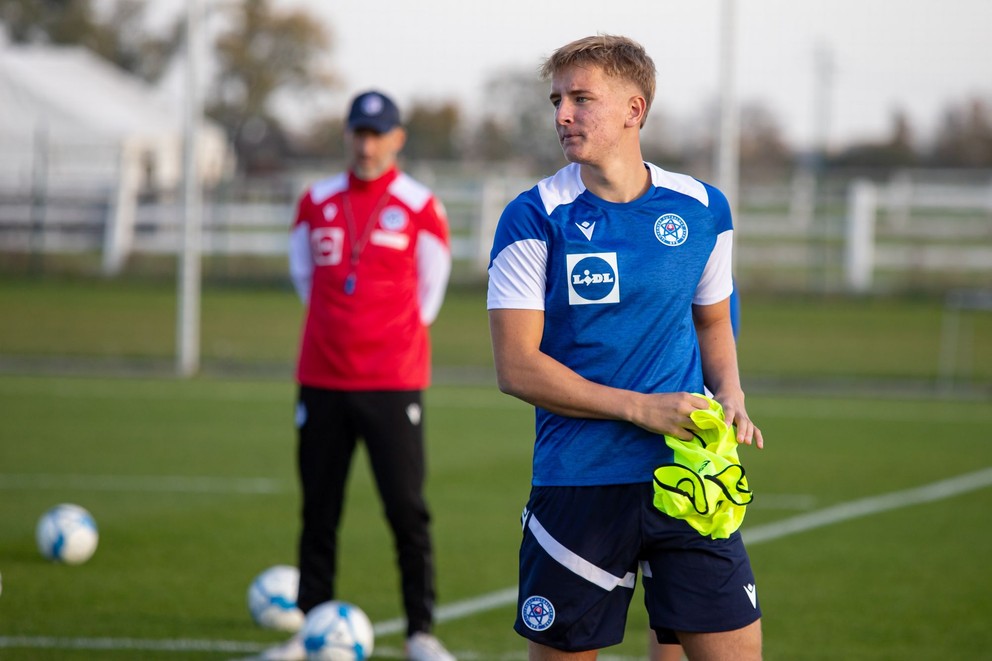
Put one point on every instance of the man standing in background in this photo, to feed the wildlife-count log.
(369, 255)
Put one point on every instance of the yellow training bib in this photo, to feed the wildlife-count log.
(705, 485)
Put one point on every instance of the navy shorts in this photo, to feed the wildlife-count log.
(579, 558)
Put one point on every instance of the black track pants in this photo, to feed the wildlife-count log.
(329, 425)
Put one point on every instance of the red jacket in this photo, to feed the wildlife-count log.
(371, 259)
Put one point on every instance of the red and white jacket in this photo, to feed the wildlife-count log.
(371, 260)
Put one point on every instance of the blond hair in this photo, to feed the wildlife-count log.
(618, 57)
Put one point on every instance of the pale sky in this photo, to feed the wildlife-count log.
(915, 55)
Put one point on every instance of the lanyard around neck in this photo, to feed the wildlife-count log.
(356, 244)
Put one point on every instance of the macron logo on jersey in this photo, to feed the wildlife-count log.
(593, 278)
(586, 228)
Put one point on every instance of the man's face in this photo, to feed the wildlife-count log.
(591, 109)
(373, 153)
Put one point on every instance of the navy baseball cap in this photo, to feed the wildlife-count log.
(374, 111)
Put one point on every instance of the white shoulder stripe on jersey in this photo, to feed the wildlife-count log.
(561, 188)
(328, 187)
(410, 191)
(566, 185)
(680, 183)
(576, 563)
(517, 276)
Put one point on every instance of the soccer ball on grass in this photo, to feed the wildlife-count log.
(272, 599)
(337, 631)
(67, 533)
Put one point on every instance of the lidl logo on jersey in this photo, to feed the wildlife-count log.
(593, 278)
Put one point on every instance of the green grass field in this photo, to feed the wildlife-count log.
(192, 481)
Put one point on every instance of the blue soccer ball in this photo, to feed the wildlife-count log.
(67, 533)
(337, 631)
(272, 599)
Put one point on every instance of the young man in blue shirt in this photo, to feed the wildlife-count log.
(609, 306)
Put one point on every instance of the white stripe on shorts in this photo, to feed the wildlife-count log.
(577, 564)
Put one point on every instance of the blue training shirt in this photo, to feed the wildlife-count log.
(616, 282)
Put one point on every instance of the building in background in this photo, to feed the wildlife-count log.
(74, 118)
(79, 133)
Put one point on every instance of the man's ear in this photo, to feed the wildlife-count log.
(637, 111)
(399, 138)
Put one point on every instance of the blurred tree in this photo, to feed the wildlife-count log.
(123, 39)
(490, 142)
(518, 115)
(964, 139)
(763, 149)
(323, 139)
(48, 21)
(659, 139)
(432, 132)
(264, 52)
(895, 152)
(115, 33)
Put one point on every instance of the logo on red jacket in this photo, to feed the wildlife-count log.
(327, 245)
(393, 219)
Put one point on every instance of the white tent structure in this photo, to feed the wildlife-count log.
(74, 101)
(70, 121)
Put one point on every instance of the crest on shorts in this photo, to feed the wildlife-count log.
(537, 613)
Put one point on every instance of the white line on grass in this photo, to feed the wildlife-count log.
(146, 645)
(803, 522)
(454, 611)
(770, 531)
(243, 485)
(147, 483)
(872, 505)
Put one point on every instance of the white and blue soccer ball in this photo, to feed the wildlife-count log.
(337, 631)
(67, 533)
(272, 599)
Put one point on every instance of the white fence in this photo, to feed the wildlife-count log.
(912, 226)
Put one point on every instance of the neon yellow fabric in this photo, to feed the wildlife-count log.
(706, 485)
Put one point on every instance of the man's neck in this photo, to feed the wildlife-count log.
(618, 181)
(365, 182)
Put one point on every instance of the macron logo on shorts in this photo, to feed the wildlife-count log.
(752, 594)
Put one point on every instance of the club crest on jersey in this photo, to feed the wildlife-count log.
(671, 230)
(330, 212)
(593, 278)
(393, 219)
(537, 613)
